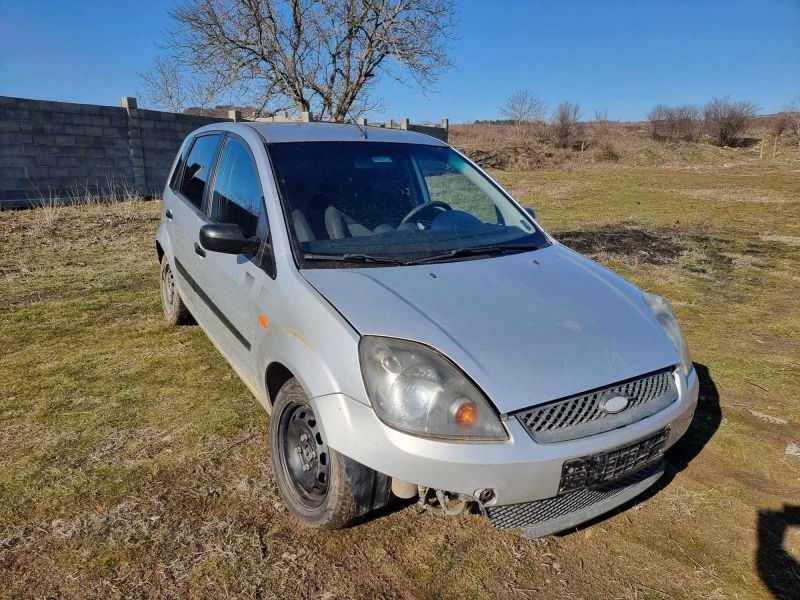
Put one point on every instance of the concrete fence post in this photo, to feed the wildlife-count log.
(446, 124)
(135, 149)
(390, 124)
(305, 117)
(362, 121)
(404, 123)
(235, 115)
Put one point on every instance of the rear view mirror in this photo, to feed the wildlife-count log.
(531, 212)
(228, 239)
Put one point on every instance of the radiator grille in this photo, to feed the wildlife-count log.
(582, 415)
(540, 511)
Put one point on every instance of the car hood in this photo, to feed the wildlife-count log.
(527, 328)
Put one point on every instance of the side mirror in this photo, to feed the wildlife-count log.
(531, 212)
(228, 239)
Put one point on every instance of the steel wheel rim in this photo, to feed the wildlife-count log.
(304, 456)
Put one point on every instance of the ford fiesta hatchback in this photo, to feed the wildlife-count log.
(414, 332)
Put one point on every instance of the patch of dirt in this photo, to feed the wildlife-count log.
(694, 252)
(650, 246)
(521, 157)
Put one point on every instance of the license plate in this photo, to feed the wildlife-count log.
(610, 466)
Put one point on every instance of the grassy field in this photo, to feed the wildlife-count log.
(134, 463)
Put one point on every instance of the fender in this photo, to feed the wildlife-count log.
(307, 335)
(294, 351)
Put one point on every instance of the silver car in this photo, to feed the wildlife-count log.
(414, 332)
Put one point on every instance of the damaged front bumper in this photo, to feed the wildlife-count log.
(524, 476)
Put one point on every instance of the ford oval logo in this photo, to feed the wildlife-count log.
(614, 404)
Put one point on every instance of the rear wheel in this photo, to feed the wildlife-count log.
(312, 478)
(175, 311)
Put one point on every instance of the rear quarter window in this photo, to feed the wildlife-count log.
(175, 179)
(199, 164)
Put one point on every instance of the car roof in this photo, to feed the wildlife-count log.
(276, 133)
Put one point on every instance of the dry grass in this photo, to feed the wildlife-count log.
(134, 464)
(509, 148)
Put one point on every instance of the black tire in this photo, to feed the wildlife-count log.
(312, 478)
(175, 311)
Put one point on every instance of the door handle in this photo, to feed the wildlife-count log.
(168, 214)
(199, 249)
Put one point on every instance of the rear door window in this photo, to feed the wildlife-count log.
(237, 191)
(175, 180)
(198, 168)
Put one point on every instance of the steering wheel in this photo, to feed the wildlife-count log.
(434, 204)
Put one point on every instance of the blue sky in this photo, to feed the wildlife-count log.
(620, 56)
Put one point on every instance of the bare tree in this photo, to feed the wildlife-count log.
(725, 121)
(602, 124)
(166, 86)
(565, 124)
(320, 56)
(524, 107)
(601, 116)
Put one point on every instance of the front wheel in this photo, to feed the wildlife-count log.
(313, 478)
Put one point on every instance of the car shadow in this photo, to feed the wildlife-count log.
(394, 505)
(706, 421)
(778, 569)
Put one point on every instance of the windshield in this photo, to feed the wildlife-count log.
(389, 202)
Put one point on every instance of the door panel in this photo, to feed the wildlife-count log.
(186, 214)
(182, 224)
(229, 285)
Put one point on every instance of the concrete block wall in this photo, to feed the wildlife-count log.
(161, 135)
(57, 149)
(440, 132)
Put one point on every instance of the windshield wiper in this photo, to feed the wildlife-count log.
(474, 250)
(353, 257)
(494, 249)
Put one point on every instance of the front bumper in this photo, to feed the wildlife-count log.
(518, 470)
(543, 517)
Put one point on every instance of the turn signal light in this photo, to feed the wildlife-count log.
(466, 414)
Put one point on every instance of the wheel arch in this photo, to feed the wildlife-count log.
(163, 244)
(159, 251)
(275, 376)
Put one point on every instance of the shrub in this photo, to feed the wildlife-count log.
(725, 121)
(674, 123)
(565, 124)
(607, 152)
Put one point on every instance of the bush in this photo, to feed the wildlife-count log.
(565, 124)
(607, 152)
(674, 123)
(790, 118)
(725, 121)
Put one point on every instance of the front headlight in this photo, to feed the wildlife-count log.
(663, 312)
(417, 390)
